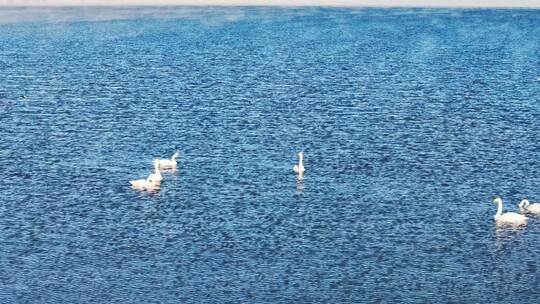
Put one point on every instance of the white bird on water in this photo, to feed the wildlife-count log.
(511, 218)
(300, 167)
(156, 176)
(526, 206)
(168, 163)
(144, 184)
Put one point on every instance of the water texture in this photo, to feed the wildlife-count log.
(411, 120)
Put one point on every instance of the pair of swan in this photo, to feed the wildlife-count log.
(153, 181)
(513, 218)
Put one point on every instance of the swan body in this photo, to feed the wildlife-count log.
(156, 176)
(525, 205)
(300, 167)
(144, 184)
(168, 163)
(511, 218)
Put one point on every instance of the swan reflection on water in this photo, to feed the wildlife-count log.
(507, 235)
(300, 187)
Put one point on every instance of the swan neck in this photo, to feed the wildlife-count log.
(524, 204)
(301, 162)
(499, 210)
(156, 167)
(175, 155)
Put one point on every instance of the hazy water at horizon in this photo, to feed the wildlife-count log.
(411, 120)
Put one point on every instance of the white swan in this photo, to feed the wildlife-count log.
(509, 217)
(156, 176)
(528, 207)
(168, 163)
(144, 184)
(300, 167)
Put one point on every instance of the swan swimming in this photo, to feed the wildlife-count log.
(509, 217)
(300, 167)
(168, 163)
(144, 184)
(156, 176)
(528, 207)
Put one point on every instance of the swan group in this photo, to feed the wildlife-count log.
(153, 181)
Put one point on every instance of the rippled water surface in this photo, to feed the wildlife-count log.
(411, 120)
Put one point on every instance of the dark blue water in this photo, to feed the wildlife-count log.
(411, 120)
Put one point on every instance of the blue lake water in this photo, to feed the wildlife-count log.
(411, 120)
